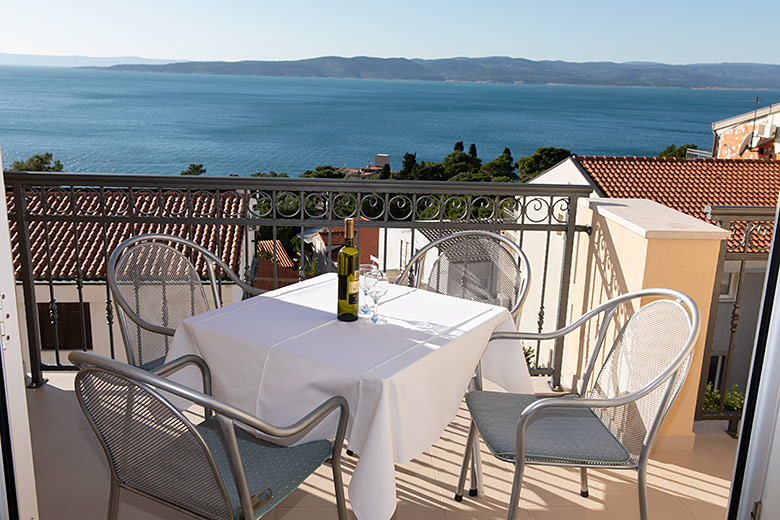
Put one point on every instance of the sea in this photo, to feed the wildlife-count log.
(152, 123)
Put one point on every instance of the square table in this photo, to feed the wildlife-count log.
(281, 354)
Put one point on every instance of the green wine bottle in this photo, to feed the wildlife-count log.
(349, 273)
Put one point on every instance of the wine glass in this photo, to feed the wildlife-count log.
(376, 290)
(366, 281)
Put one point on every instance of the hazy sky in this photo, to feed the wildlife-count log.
(627, 30)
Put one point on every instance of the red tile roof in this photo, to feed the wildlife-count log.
(283, 259)
(367, 238)
(91, 246)
(686, 185)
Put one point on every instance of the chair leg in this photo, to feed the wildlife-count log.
(477, 488)
(338, 484)
(517, 485)
(642, 482)
(464, 469)
(113, 500)
(584, 481)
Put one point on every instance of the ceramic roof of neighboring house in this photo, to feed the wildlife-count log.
(282, 258)
(685, 185)
(55, 258)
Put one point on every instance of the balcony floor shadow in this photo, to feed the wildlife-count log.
(72, 477)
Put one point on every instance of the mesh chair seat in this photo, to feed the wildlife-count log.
(563, 435)
(266, 465)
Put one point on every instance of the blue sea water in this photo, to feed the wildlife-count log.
(147, 123)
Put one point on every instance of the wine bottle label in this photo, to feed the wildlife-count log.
(353, 287)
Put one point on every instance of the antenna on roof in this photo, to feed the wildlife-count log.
(748, 139)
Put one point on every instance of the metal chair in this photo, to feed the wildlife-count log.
(212, 470)
(475, 265)
(155, 286)
(611, 424)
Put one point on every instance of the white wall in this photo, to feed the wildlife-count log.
(13, 374)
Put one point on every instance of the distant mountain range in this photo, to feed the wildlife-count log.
(36, 60)
(492, 69)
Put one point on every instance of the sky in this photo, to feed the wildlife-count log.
(676, 32)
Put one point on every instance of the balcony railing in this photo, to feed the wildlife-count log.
(694, 153)
(751, 238)
(65, 225)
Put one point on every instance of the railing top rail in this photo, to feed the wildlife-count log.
(740, 212)
(292, 184)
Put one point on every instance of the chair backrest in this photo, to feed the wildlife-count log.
(475, 265)
(155, 287)
(151, 447)
(652, 351)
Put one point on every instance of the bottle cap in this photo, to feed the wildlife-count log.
(349, 227)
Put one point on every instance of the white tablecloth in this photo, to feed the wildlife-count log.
(281, 354)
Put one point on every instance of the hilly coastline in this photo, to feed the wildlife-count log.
(490, 69)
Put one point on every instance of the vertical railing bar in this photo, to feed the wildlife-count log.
(301, 214)
(301, 275)
(733, 332)
(386, 219)
(28, 285)
(248, 275)
(276, 257)
(522, 220)
(109, 301)
(79, 273)
(541, 315)
(563, 300)
(53, 314)
(218, 211)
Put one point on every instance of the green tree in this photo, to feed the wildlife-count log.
(501, 167)
(671, 151)
(385, 172)
(194, 169)
(473, 150)
(458, 147)
(37, 163)
(324, 172)
(429, 171)
(478, 176)
(408, 166)
(459, 162)
(269, 174)
(541, 160)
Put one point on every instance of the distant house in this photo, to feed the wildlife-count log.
(689, 186)
(753, 135)
(327, 242)
(74, 281)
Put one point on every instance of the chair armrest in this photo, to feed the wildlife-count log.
(83, 359)
(526, 335)
(187, 360)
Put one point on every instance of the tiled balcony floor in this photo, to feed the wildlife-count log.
(73, 477)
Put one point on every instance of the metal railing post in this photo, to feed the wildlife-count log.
(28, 287)
(563, 300)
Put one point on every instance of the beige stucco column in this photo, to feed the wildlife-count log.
(639, 244)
